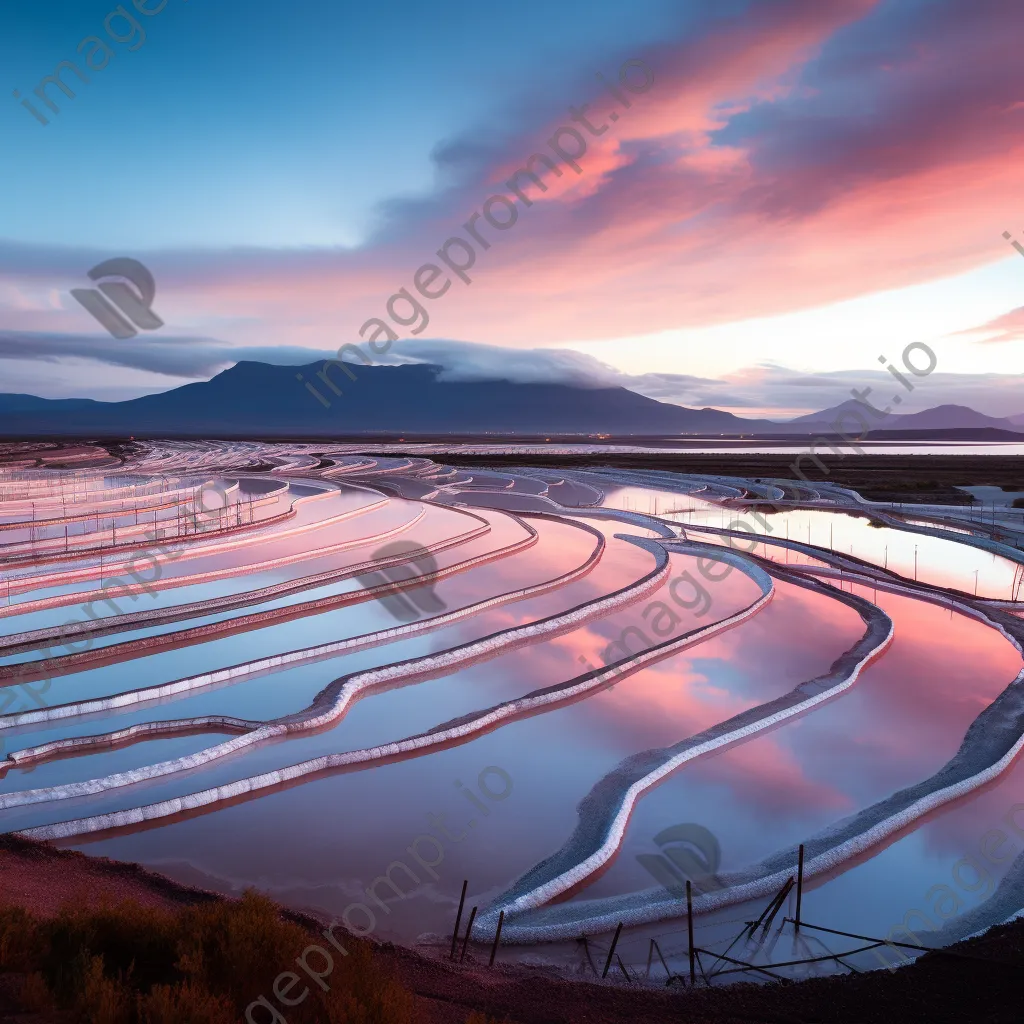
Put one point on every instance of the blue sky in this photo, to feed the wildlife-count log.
(275, 123)
(803, 184)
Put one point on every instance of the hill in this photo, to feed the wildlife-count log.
(257, 399)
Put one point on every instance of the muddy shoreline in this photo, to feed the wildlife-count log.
(981, 985)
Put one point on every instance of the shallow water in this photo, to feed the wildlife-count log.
(319, 843)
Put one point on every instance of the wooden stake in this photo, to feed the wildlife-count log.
(469, 931)
(622, 967)
(662, 959)
(458, 918)
(497, 938)
(586, 950)
(776, 906)
(689, 929)
(799, 886)
(611, 952)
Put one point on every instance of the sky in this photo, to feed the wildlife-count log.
(753, 199)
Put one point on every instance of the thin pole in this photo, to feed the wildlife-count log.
(622, 967)
(611, 952)
(497, 938)
(938, 950)
(689, 929)
(586, 950)
(661, 958)
(469, 931)
(776, 906)
(458, 917)
(799, 885)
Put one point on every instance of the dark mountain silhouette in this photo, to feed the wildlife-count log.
(30, 404)
(253, 399)
(950, 417)
(941, 417)
(257, 399)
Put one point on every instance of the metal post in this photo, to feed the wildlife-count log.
(799, 885)
(689, 929)
(611, 952)
(458, 917)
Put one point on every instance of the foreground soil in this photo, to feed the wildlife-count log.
(935, 988)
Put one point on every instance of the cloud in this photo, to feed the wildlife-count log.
(468, 361)
(1008, 327)
(766, 390)
(780, 393)
(789, 155)
(182, 357)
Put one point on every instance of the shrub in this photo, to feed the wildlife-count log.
(97, 997)
(34, 994)
(204, 964)
(166, 1004)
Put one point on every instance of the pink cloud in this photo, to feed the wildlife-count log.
(1008, 327)
(794, 156)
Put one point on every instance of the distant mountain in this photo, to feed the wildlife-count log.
(256, 399)
(949, 417)
(941, 417)
(827, 415)
(31, 404)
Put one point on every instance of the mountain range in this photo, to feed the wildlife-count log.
(253, 399)
(941, 417)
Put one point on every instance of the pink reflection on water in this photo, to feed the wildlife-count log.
(903, 719)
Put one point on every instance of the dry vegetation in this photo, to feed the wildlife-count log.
(131, 964)
(90, 940)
